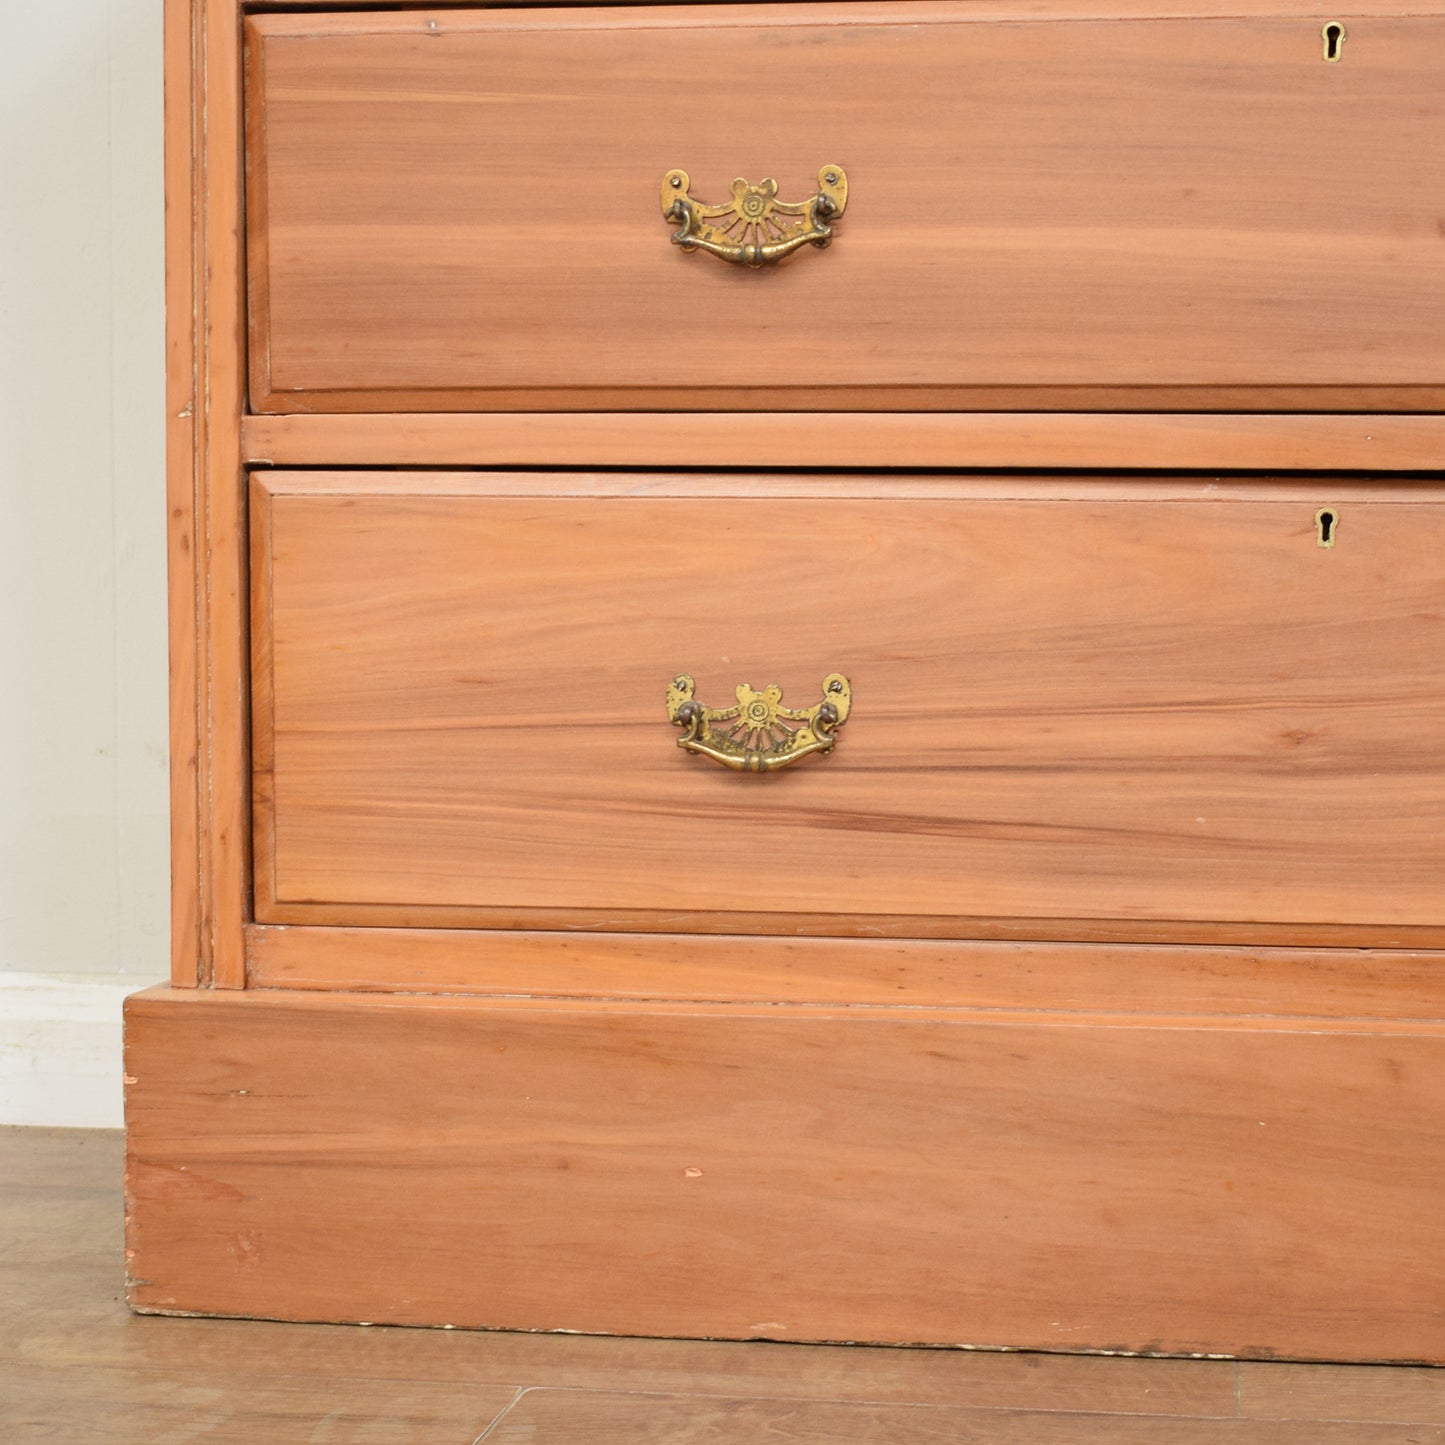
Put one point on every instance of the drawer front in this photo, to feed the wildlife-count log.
(1097, 208)
(1091, 711)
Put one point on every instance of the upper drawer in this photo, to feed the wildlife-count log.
(1097, 207)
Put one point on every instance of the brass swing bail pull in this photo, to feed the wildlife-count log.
(757, 736)
(754, 228)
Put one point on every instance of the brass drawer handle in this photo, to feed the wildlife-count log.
(753, 737)
(754, 235)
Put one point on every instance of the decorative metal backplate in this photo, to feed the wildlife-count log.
(754, 228)
(756, 736)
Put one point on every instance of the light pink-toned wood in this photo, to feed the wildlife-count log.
(78, 1365)
(1185, 1185)
(1138, 710)
(1325, 983)
(745, 922)
(777, 13)
(205, 399)
(189, 945)
(461, 212)
(226, 865)
(1060, 1144)
(262, 703)
(782, 13)
(841, 439)
(829, 488)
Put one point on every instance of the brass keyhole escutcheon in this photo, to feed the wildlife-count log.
(1333, 35)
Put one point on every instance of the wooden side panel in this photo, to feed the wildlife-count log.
(461, 211)
(1125, 706)
(1037, 1180)
(228, 817)
(184, 507)
(205, 398)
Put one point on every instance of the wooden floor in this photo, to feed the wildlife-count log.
(75, 1366)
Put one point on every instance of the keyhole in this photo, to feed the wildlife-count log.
(1334, 36)
(1326, 525)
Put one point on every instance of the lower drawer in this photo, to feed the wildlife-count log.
(1079, 709)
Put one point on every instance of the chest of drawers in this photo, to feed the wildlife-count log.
(1020, 493)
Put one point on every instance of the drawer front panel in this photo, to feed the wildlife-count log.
(1109, 704)
(460, 210)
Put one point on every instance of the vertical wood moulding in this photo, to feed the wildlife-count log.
(225, 400)
(184, 431)
(257, 232)
(263, 749)
(205, 327)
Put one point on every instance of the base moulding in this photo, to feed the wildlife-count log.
(1208, 1184)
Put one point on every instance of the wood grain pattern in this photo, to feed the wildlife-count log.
(227, 865)
(1342, 1392)
(1170, 711)
(777, 13)
(183, 504)
(65, 1337)
(738, 922)
(1332, 983)
(841, 439)
(137, 1407)
(551, 1417)
(461, 213)
(993, 1178)
(60, 1190)
(210, 812)
(1066, 1145)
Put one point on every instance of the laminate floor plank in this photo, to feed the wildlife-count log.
(1342, 1392)
(1062, 1383)
(155, 1407)
(105, 1334)
(562, 1417)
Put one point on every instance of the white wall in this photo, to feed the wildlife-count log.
(83, 870)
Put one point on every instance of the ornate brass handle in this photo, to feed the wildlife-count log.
(754, 737)
(753, 235)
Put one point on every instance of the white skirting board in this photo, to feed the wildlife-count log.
(60, 1062)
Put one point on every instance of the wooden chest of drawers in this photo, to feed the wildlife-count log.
(1075, 977)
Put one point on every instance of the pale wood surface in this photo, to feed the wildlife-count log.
(226, 874)
(1326, 983)
(1341, 1392)
(842, 439)
(75, 1366)
(550, 1417)
(208, 583)
(284, 1158)
(1164, 706)
(462, 212)
(1260, 1188)
(184, 301)
(131, 1406)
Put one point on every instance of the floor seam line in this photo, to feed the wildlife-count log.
(502, 1414)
